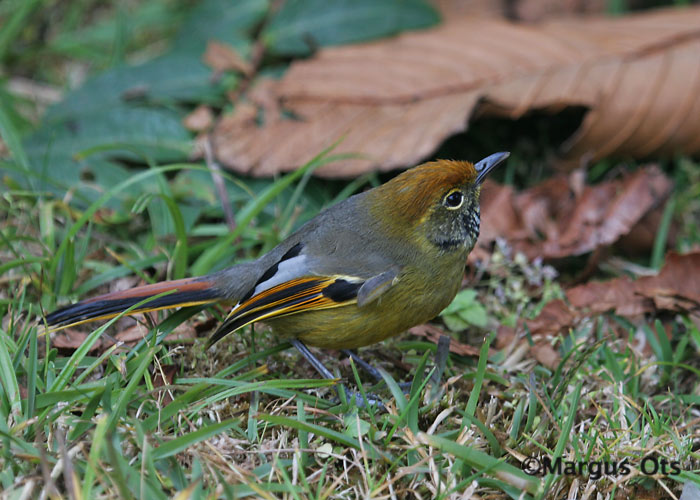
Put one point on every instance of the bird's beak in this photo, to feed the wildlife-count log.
(487, 164)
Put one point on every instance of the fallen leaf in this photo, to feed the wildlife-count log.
(70, 339)
(396, 100)
(223, 57)
(561, 217)
(554, 316)
(164, 376)
(675, 288)
(546, 355)
(459, 8)
(132, 335)
(555, 312)
(433, 334)
(199, 120)
(183, 331)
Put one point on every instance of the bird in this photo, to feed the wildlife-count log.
(361, 271)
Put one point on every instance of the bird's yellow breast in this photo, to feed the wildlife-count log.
(417, 297)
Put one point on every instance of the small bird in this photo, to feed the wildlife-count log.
(361, 271)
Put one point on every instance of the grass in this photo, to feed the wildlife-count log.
(252, 419)
(140, 409)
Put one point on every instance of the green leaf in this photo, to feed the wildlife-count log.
(129, 132)
(301, 25)
(475, 315)
(126, 112)
(454, 322)
(9, 386)
(465, 310)
(171, 77)
(480, 374)
(228, 21)
(355, 426)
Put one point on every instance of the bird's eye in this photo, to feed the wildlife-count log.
(454, 199)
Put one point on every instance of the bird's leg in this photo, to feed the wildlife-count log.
(371, 370)
(315, 362)
(325, 373)
(441, 354)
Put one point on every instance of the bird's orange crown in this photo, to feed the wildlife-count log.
(411, 194)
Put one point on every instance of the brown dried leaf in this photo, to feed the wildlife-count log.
(553, 316)
(70, 339)
(560, 217)
(433, 333)
(675, 288)
(395, 101)
(546, 355)
(164, 376)
(199, 120)
(460, 8)
(536, 10)
(524, 10)
(222, 57)
(132, 335)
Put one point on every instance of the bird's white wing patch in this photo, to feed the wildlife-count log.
(287, 270)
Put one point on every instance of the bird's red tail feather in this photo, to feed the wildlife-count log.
(184, 292)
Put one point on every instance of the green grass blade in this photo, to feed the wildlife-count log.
(179, 258)
(483, 462)
(329, 434)
(212, 255)
(175, 446)
(125, 395)
(661, 238)
(8, 378)
(15, 24)
(565, 434)
(90, 211)
(479, 378)
(32, 369)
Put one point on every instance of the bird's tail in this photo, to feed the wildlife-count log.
(184, 292)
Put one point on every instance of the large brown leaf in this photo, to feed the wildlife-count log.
(396, 100)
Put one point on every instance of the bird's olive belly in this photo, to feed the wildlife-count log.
(350, 326)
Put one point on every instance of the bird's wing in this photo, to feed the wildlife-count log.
(293, 284)
(372, 288)
(290, 297)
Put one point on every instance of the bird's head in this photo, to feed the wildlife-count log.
(436, 203)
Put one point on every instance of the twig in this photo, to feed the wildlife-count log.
(218, 179)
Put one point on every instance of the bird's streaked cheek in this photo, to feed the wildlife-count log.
(471, 220)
